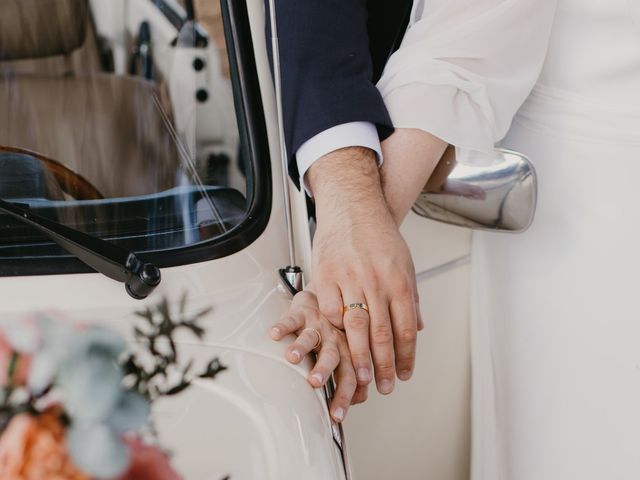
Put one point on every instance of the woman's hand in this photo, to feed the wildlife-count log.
(333, 357)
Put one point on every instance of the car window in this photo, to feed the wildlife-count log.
(118, 118)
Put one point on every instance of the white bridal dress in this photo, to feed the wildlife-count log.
(556, 311)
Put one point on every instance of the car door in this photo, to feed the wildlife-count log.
(219, 238)
(423, 429)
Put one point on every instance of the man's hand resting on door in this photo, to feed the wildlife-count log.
(359, 257)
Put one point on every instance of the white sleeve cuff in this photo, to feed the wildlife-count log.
(353, 134)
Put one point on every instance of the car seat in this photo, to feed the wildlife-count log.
(110, 129)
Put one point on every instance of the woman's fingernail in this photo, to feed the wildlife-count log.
(364, 375)
(338, 414)
(385, 386)
(275, 331)
(317, 378)
(405, 375)
(296, 355)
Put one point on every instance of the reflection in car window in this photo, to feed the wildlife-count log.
(120, 124)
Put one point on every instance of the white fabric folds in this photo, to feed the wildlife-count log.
(465, 67)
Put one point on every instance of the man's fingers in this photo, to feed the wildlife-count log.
(361, 395)
(405, 332)
(416, 297)
(330, 303)
(305, 298)
(382, 351)
(356, 325)
(346, 385)
(303, 345)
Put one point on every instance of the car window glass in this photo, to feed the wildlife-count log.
(117, 118)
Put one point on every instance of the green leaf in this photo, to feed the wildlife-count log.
(130, 414)
(187, 369)
(195, 329)
(177, 389)
(97, 450)
(202, 313)
(213, 369)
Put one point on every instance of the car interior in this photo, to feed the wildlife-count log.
(106, 143)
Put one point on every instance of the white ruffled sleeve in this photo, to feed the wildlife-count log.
(465, 67)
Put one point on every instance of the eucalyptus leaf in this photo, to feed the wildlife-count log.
(58, 344)
(91, 385)
(42, 372)
(97, 450)
(24, 338)
(130, 413)
(100, 338)
(58, 337)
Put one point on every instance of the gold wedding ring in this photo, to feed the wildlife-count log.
(319, 342)
(354, 306)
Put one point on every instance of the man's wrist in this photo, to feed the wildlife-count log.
(352, 134)
(347, 181)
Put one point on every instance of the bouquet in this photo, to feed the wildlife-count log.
(75, 401)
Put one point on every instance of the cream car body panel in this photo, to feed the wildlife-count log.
(259, 419)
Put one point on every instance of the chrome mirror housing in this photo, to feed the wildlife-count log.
(501, 196)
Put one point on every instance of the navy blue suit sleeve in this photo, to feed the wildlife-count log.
(326, 67)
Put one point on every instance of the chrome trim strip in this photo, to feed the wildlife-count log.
(277, 78)
(443, 268)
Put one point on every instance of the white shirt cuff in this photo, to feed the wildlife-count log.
(353, 134)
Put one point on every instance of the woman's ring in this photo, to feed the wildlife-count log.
(317, 333)
(353, 306)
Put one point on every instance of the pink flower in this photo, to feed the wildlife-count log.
(147, 463)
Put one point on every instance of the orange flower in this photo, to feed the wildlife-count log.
(34, 448)
(147, 463)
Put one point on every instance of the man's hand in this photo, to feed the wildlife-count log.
(359, 256)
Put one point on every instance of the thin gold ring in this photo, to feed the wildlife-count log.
(353, 306)
(319, 342)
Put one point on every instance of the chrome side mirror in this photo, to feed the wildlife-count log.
(501, 196)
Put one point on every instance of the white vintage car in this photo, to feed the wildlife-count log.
(127, 126)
